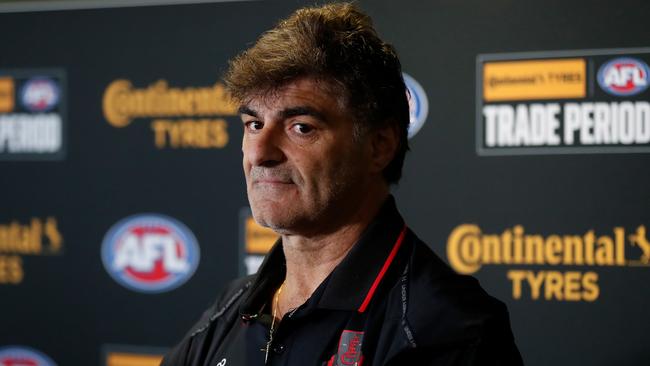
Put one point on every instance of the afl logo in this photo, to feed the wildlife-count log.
(23, 356)
(40, 94)
(150, 253)
(623, 76)
(418, 104)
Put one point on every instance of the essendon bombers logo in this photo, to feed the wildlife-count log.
(23, 356)
(150, 253)
(349, 351)
(624, 76)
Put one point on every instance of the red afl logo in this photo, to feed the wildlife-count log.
(150, 253)
(23, 356)
(623, 76)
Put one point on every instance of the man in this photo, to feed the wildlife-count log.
(325, 117)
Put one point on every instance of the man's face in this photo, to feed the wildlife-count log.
(304, 170)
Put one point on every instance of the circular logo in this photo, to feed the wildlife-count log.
(150, 253)
(23, 356)
(623, 76)
(40, 94)
(418, 104)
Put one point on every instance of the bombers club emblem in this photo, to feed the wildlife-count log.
(349, 351)
(150, 253)
(23, 356)
(418, 105)
(623, 76)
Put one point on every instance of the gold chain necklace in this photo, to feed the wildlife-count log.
(276, 299)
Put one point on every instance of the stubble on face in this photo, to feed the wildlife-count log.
(308, 208)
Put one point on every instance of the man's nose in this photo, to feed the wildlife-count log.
(264, 148)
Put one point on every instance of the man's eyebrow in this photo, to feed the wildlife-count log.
(302, 111)
(287, 112)
(246, 110)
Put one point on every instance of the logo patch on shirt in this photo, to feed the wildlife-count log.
(349, 351)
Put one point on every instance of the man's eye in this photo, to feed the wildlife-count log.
(302, 128)
(254, 125)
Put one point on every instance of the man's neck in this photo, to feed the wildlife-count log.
(310, 260)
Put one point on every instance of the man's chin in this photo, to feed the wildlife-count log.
(279, 224)
(271, 214)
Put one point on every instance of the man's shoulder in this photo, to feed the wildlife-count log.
(225, 305)
(444, 306)
(221, 312)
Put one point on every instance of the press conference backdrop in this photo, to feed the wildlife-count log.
(122, 203)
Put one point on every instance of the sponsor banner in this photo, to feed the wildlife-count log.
(23, 356)
(563, 102)
(418, 105)
(255, 242)
(554, 267)
(122, 355)
(38, 237)
(189, 117)
(32, 114)
(150, 253)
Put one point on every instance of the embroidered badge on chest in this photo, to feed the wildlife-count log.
(349, 351)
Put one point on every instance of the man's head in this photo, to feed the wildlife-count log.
(324, 70)
(337, 44)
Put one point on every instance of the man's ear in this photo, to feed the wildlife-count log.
(385, 142)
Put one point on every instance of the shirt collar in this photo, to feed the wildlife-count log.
(352, 282)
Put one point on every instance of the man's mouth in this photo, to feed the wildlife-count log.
(272, 181)
(270, 176)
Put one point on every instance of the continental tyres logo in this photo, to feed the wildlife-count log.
(577, 256)
(130, 355)
(255, 241)
(131, 359)
(39, 237)
(188, 117)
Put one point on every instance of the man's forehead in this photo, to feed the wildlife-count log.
(311, 92)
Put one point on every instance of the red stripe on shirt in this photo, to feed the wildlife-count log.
(384, 268)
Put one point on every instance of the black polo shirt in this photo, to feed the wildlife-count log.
(391, 301)
(337, 311)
